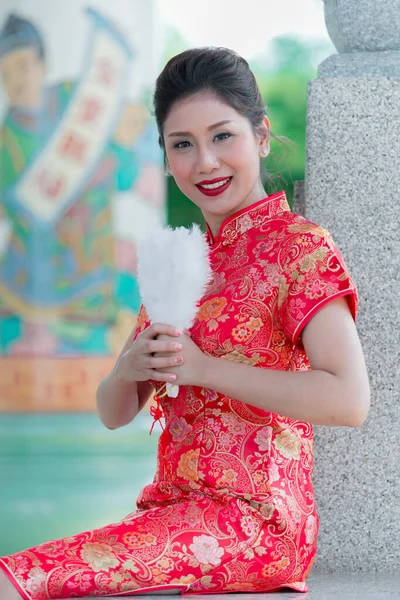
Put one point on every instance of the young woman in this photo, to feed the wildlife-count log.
(273, 350)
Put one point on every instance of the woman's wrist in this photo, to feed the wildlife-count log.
(207, 371)
(117, 398)
(121, 372)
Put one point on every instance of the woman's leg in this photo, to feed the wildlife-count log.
(161, 549)
(7, 590)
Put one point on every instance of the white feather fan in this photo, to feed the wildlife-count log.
(173, 272)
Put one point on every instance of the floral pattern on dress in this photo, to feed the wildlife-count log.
(231, 507)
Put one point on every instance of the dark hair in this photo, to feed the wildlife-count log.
(18, 33)
(218, 70)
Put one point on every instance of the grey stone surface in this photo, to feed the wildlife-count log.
(361, 64)
(363, 25)
(299, 204)
(321, 587)
(353, 189)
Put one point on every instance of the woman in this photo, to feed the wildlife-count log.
(273, 350)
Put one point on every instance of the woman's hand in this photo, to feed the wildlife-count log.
(152, 358)
(192, 368)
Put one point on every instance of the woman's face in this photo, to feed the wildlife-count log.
(214, 155)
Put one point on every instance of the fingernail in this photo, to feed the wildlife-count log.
(179, 360)
(178, 332)
(178, 346)
(172, 377)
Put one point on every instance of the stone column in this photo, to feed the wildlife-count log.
(353, 188)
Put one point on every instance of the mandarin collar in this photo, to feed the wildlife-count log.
(248, 218)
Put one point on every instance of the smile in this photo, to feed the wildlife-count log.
(214, 188)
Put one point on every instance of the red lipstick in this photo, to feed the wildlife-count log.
(214, 191)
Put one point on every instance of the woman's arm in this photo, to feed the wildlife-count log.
(335, 392)
(119, 399)
(123, 393)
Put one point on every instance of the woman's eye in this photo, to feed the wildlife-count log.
(182, 145)
(223, 136)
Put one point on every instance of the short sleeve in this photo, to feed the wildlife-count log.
(315, 273)
(142, 323)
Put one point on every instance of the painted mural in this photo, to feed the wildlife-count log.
(80, 175)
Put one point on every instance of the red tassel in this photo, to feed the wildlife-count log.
(157, 413)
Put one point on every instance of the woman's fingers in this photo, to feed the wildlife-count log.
(162, 346)
(165, 362)
(162, 329)
(158, 376)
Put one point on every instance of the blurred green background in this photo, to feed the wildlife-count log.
(66, 473)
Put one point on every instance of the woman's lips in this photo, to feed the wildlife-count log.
(218, 186)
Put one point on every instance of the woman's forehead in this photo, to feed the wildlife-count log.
(203, 109)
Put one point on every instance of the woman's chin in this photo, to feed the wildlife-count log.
(218, 205)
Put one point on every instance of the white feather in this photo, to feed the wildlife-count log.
(173, 272)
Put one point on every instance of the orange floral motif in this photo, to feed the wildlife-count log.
(186, 579)
(275, 567)
(259, 477)
(278, 338)
(228, 478)
(241, 586)
(211, 309)
(255, 323)
(188, 465)
(135, 539)
(242, 332)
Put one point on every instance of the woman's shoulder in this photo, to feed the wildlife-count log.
(298, 224)
(296, 229)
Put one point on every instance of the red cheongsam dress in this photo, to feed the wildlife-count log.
(231, 507)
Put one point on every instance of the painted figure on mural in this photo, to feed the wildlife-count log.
(60, 283)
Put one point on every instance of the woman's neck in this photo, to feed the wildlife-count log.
(214, 221)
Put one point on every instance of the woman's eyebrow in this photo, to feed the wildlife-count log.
(210, 128)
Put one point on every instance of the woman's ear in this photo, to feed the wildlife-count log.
(264, 137)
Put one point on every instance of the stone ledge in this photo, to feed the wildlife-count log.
(361, 64)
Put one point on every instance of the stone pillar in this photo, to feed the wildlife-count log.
(352, 188)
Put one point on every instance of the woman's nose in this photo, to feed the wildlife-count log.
(207, 161)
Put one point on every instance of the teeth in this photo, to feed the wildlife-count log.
(213, 186)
